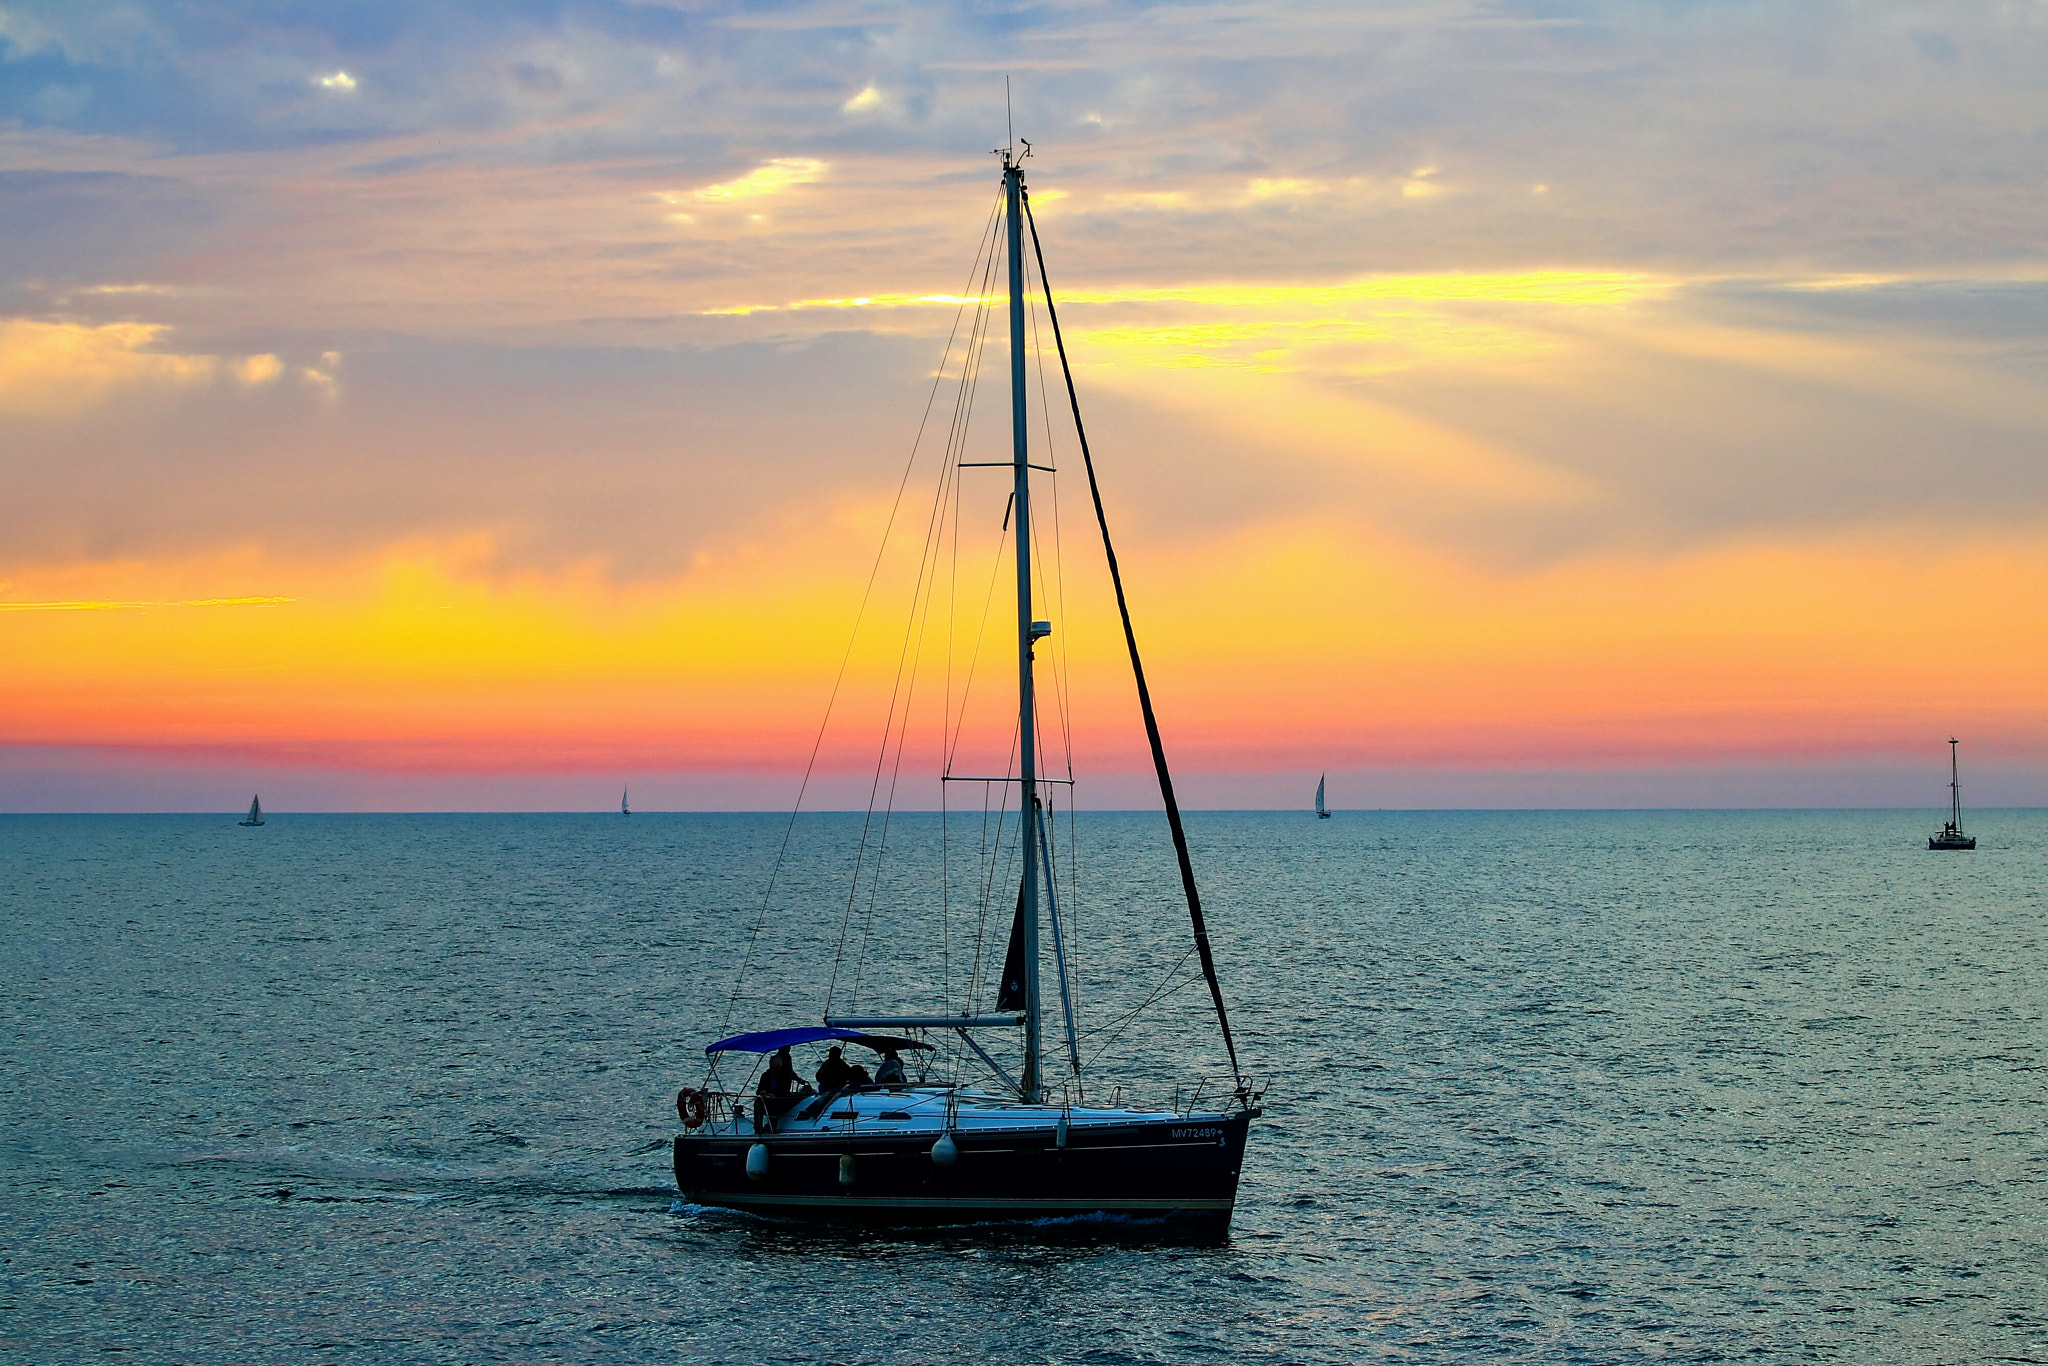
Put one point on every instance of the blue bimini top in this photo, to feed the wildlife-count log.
(768, 1040)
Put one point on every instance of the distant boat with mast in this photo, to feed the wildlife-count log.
(1322, 811)
(1951, 835)
(255, 816)
(624, 808)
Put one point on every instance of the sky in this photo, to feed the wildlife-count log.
(488, 405)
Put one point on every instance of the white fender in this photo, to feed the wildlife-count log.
(757, 1162)
(945, 1152)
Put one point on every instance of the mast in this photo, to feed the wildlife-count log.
(1955, 789)
(1027, 742)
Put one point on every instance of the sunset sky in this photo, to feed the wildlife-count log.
(486, 405)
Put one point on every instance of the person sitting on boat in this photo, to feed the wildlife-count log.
(833, 1072)
(857, 1078)
(890, 1071)
(776, 1092)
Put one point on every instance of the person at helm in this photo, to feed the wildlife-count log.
(833, 1073)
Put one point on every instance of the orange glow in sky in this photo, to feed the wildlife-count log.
(541, 429)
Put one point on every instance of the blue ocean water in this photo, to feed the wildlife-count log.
(1543, 1087)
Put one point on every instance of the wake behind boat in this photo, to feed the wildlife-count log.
(896, 1148)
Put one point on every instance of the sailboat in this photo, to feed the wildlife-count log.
(624, 809)
(1322, 811)
(905, 1151)
(1951, 835)
(255, 816)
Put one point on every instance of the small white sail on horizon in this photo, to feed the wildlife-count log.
(255, 816)
(624, 810)
(1322, 811)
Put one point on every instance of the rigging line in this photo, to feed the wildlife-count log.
(946, 767)
(926, 559)
(934, 542)
(1069, 955)
(962, 416)
(1059, 951)
(1074, 894)
(1048, 842)
(995, 852)
(956, 436)
(1180, 839)
(1062, 656)
(981, 858)
(1110, 1042)
(963, 398)
(860, 614)
(1054, 674)
(955, 447)
(1165, 985)
(980, 634)
(853, 891)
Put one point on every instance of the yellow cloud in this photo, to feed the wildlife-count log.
(1568, 288)
(1283, 188)
(1357, 327)
(55, 368)
(868, 98)
(340, 80)
(771, 178)
(253, 370)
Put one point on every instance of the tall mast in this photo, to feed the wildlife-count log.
(1027, 742)
(1955, 790)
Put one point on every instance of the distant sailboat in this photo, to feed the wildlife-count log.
(255, 816)
(1322, 812)
(1952, 836)
(624, 810)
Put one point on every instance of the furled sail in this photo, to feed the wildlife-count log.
(1011, 994)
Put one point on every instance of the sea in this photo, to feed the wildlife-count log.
(1537, 1086)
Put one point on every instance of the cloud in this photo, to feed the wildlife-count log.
(771, 178)
(340, 80)
(254, 370)
(52, 369)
